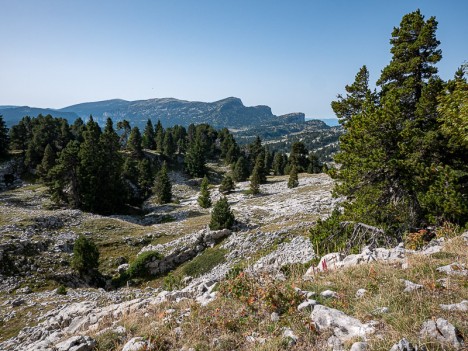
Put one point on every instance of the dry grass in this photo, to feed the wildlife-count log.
(243, 307)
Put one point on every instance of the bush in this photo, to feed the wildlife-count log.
(172, 282)
(138, 268)
(61, 290)
(222, 216)
(227, 185)
(205, 262)
(85, 255)
(415, 241)
(324, 230)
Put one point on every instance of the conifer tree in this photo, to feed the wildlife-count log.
(47, 163)
(241, 170)
(169, 147)
(134, 143)
(227, 185)
(111, 196)
(293, 181)
(260, 166)
(125, 128)
(255, 180)
(4, 139)
(195, 159)
(298, 156)
(204, 200)
(148, 141)
(278, 164)
(163, 187)
(315, 166)
(221, 216)
(159, 136)
(145, 177)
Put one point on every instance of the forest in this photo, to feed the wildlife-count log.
(112, 170)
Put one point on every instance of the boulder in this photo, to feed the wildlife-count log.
(134, 344)
(442, 331)
(410, 286)
(454, 269)
(343, 326)
(359, 346)
(459, 307)
(307, 305)
(404, 345)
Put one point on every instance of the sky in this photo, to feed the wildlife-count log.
(294, 56)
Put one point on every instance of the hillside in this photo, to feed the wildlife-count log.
(249, 289)
(13, 114)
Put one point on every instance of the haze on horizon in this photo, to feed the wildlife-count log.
(294, 57)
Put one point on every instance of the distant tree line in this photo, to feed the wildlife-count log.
(103, 170)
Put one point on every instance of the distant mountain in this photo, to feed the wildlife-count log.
(229, 112)
(13, 114)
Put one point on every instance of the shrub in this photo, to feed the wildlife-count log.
(172, 282)
(227, 185)
(138, 268)
(415, 241)
(205, 262)
(324, 230)
(204, 200)
(85, 255)
(61, 290)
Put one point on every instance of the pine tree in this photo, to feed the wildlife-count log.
(110, 197)
(195, 159)
(204, 200)
(159, 136)
(227, 185)
(148, 141)
(91, 164)
(145, 177)
(169, 147)
(293, 181)
(255, 180)
(221, 216)
(315, 166)
(65, 175)
(4, 139)
(134, 143)
(163, 187)
(124, 127)
(241, 170)
(85, 256)
(298, 156)
(260, 166)
(47, 163)
(278, 164)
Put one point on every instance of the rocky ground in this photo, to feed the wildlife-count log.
(259, 287)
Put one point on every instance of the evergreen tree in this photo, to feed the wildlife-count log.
(20, 134)
(169, 147)
(65, 176)
(221, 216)
(204, 200)
(255, 180)
(397, 164)
(148, 141)
(260, 166)
(278, 164)
(125, 130)
(47, 163)
(298, 156)
(356, 94)
(195, 160)
(65, 135)
(145, 177)
(4, 138)
(134, 143)
(163, 187)
(111, 197)
(77, 129)
(227, 185)
(315, 166)
(85, 256)
(293, 181)
(241, 170)
(159, 138)
(91, 164)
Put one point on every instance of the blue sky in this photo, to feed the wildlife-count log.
(294, 56)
